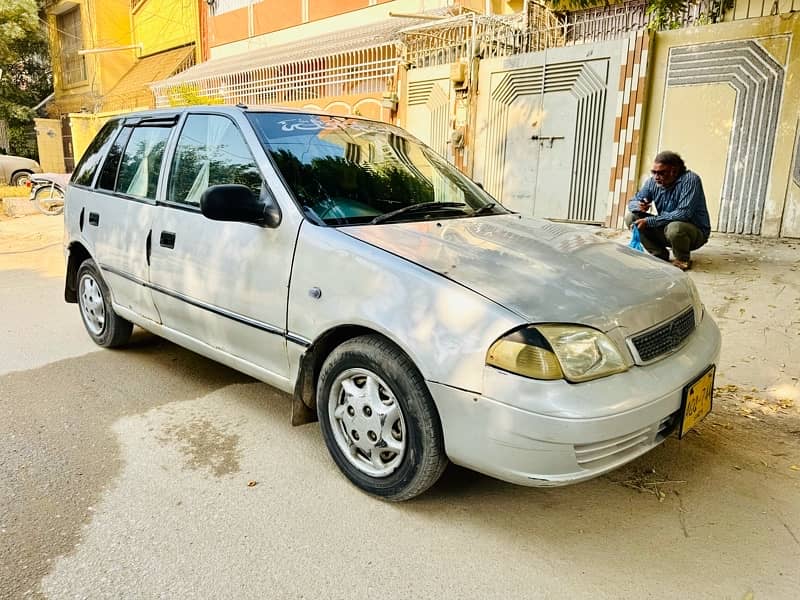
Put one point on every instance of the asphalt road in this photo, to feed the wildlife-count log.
(151, 472)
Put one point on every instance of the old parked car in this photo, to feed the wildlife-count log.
(16, 170)
(343, 261)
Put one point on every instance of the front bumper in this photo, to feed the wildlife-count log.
(539, 433)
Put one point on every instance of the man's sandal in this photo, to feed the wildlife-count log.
(682, 265)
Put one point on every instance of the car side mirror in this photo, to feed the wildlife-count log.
(233, 202)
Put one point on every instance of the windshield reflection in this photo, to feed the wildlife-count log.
(345, 171)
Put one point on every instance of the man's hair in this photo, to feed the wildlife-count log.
(673, 159)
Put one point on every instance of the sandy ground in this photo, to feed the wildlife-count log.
(152, 472)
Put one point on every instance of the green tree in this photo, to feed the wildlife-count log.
(664, 14)
(25, 73)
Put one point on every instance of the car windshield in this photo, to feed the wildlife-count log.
(347, 171)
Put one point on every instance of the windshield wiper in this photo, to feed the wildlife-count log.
(483, 209)
(411, 208)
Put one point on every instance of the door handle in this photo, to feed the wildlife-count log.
(167, 239)
(148, 243)
(547, 138)
(94, 219)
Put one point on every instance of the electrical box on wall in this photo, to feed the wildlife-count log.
(458, 73)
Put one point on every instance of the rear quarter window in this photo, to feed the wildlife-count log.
(91, 159)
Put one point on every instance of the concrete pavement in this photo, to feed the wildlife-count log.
(151, 472)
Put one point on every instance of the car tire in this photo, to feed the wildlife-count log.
(378, 419)
(20, 178)
(103, 325)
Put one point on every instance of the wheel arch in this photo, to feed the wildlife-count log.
(16, 172)
(76, 254)
(304, 401)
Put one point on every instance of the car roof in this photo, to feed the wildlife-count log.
(167, 113)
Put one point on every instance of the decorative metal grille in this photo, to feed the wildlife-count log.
(456, 36)
(540, 28)
(665, 338)
(362, 71)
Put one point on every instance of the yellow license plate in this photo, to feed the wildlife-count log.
(697, 400)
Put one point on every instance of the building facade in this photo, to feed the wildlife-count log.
(104, 55)
(341, 57)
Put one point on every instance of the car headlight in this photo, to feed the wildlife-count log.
(697, 303)
(557, 351)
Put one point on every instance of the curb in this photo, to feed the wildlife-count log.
(18, 207)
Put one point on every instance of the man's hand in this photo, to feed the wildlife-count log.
(644, 205)
(640, 224)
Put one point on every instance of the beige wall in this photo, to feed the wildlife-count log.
(357, 18)
(103, 71)
(111, 24)
(362, 105)
(51, 147)
(700, 135)
(84, 128)
(163, 24)
(699, 120)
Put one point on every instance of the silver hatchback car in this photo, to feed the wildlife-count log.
(418, 320)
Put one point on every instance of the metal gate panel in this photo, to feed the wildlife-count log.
(757, 79)
(545, 129)
(428, 102)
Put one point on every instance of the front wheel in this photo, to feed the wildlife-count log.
(104, 326)
(49, 200)
(378, 419)
(20, 178)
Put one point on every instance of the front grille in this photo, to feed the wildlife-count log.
(665, 337)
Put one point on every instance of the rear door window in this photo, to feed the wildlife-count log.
(210, 151)
(141, 162)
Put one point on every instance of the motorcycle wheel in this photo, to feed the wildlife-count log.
(49, 201)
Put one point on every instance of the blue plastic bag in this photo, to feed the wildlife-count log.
(636, 243)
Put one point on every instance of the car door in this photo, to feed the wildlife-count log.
(117, 213)
(222, 283)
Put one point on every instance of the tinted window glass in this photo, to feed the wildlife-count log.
(210, 151)
(84, 172)
(108, 174)
(351, 171)
(141, 162)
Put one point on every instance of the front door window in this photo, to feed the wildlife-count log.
(211, 151)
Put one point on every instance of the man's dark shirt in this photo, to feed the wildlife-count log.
(684, 201)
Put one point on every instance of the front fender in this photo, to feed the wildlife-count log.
(444, 328)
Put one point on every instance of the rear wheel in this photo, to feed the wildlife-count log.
(378, 419)
(20, 178)
(49, 200)
(104, 326)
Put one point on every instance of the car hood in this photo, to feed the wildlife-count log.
(543, 271)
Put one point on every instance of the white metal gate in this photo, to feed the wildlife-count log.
(545, 130)
(428, 104)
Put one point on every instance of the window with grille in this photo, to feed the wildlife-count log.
(219, 7)
(73, 65)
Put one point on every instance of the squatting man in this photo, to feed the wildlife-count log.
(682, 222)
